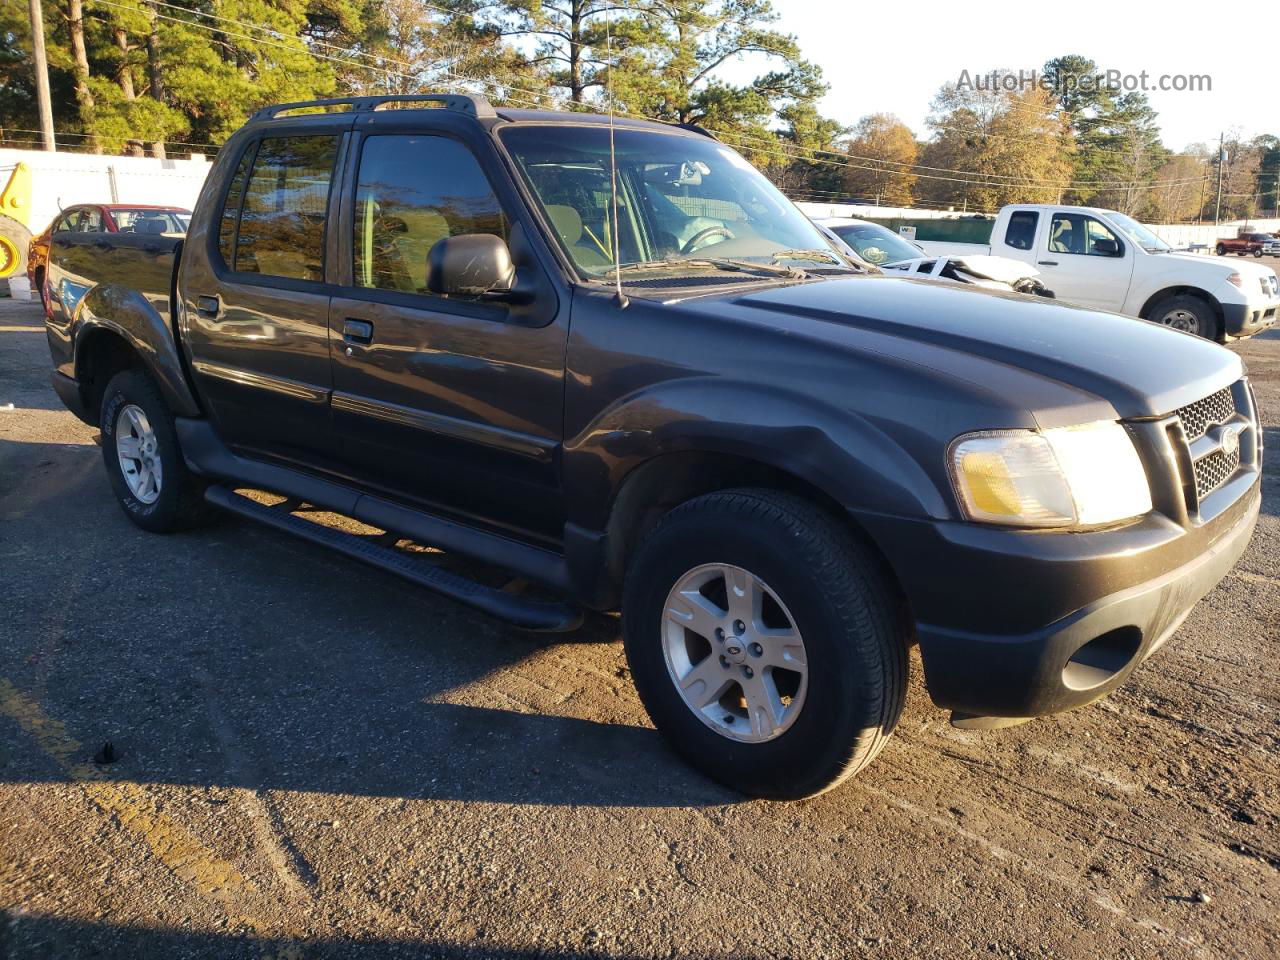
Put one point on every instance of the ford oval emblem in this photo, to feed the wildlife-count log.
(1231, 438)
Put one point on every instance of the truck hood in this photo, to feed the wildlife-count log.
(994, 340)
(1227, 265)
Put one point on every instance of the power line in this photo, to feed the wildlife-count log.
(778, 150)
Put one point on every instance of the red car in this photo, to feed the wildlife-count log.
(101, 218)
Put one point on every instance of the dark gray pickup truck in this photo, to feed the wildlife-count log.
(617, 363)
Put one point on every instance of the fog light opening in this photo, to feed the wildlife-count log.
(1102, 658)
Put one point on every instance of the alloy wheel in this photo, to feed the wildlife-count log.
(734, 652)
(139, 453)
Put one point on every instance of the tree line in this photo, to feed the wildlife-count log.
(175, 76)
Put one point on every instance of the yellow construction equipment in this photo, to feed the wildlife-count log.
(15, 222)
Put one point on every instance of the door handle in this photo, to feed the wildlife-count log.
(357, 331)
(208, 307)
(1047, 263)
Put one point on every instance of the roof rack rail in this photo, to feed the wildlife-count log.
(694, 128)
(470, 104)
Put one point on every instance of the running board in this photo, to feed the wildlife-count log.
(542, 615)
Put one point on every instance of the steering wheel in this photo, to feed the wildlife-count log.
(697, 239)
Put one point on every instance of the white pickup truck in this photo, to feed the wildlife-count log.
(1109, 261)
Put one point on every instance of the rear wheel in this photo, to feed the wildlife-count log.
(765, 642)
(1188, 313)
(40, 288)
(1222, 250)
(144, 463)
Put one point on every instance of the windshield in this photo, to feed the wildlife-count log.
(1138, 233)
(874, 243)
(683, 201)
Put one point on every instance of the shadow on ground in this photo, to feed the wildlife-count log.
(29, 936)
(236, 656)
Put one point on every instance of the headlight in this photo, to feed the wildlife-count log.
(1073, 476)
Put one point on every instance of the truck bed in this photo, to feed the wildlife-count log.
(137, 262)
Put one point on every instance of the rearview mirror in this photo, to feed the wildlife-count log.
(1106, 247)
(470, 265)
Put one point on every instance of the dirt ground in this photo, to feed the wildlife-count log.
(314, 759)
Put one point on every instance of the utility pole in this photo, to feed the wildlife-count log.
(41, 66)
(1222, 163)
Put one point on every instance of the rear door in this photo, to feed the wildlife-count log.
(452, 403)
(1018, 239)
(1084, 261)
(256, 298)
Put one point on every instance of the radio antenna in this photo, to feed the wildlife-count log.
(613, 164)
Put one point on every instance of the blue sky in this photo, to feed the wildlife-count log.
(892, 58)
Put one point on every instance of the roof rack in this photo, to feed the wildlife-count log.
(471, 105)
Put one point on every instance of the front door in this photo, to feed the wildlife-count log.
(1083, 261)
(257, 308)
(454, 403)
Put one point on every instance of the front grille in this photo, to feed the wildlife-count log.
(1198, 417)
(1213, 470)
(1218, 439)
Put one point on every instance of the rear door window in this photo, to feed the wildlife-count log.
(282, 216)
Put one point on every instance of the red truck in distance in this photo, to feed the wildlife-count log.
(1249, 242)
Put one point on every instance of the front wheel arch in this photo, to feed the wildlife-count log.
(1214, 305)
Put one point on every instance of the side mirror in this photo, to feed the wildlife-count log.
(470, 265)
(1106, 247)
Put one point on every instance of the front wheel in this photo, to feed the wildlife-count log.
(765, 642)
(1188, 313)
(1258, 253)
(144, 463)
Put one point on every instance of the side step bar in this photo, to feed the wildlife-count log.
(540, 615)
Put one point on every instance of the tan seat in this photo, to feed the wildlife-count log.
(567, 222)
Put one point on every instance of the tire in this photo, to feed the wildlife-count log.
(176, 501)
(14, 241)
(1186, 312)
(1221, 250)
(817, 577)
(43, 293)
(1258, 253)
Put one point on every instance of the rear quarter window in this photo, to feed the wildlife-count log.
(1021, 232)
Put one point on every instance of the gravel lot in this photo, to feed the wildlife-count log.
(317, 760)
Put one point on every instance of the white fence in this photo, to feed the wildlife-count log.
(59, 180)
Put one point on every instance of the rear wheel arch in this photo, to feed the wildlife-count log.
(101, 353)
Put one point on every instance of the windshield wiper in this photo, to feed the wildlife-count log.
(719, 263)
(831, 259)
(823, 255)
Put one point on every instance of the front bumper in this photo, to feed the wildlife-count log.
(1088, 653)
(1021, 623)
(1246, 319)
